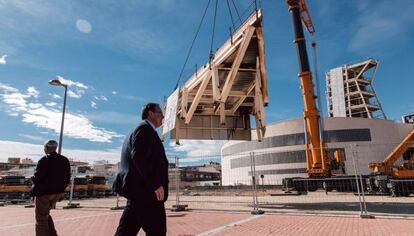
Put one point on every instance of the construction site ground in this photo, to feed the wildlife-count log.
(96, 218)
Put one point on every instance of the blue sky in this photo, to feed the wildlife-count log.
(118, 55)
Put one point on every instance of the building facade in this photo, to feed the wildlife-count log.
(349, 91)
(281, 154)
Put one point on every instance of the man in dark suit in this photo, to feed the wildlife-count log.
(143, 177)
(50, 179)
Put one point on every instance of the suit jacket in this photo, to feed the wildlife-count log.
(52, 175)
(144, 165)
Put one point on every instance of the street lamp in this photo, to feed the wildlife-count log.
(56, 82)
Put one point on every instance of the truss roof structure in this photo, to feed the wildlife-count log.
(217, 101)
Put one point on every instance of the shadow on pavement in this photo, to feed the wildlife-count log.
(373, 207)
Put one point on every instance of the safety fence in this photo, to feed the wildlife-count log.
(366, 179)
(277, 181)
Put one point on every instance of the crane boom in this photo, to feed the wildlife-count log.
(388, 167)
(306, 17)
(318, 164)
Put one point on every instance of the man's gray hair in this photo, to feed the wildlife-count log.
(51, 144)
(148, 107)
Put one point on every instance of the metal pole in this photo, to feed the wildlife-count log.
(256, 210)
(356, 179)
(71, 186)
(177, 183)
(63, 121)
(362, 186)
(178, 206)
(70, 203)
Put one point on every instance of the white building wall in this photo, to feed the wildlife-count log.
(336, 78)
(385, 136)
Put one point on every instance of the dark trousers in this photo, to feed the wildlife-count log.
(44, 222)
(148, 216)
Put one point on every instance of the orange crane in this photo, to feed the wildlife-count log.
(398, 179)
(388, 167)
(318, 162)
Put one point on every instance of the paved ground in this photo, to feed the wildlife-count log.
(96, 219)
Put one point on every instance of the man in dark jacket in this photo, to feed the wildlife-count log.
(143, 177)
(51, 177)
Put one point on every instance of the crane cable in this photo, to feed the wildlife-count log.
(235, 8)
(211, 55)
(192, 45)
(231, 15)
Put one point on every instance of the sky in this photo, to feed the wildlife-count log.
(116, 56)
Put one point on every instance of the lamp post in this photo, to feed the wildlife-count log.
(56, 82)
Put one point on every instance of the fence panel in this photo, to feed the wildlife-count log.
(389, 178)
(201, 186)
(284, 186)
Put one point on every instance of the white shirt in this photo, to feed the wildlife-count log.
(152, 125)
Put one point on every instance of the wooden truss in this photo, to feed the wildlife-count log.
(217, 101)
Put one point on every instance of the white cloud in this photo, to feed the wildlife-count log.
(83, 26)
(77, 89)
(72, 83)
(19, 149)
(103, 98)
(378, 26)
(196, 149)
(51, 104)
(31, 91)
(76, 126)
(3, 60)
(110, 117)
(32, 137)
(73, 94)
(93, 104)
(55, 95)
(114, 92)
(7, 88)
(15, 101)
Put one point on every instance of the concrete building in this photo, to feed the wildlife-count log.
(281, 154)
(191, 176)
(349, 91)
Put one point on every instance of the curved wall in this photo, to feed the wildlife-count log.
(281, 153)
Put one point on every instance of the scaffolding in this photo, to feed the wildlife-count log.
(350, 93)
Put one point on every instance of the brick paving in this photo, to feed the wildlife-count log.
(321, 225)
(17, 220)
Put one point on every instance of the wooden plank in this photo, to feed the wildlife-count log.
(240, 69)
(222, 114)
(184, 103)
(209, 92)
(236, 63)
(215, 84)
(241, 100)
(263, 74)
(197, 98)
(224, 52)
(259, 96)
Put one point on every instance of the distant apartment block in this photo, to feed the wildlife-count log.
(350, 93)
